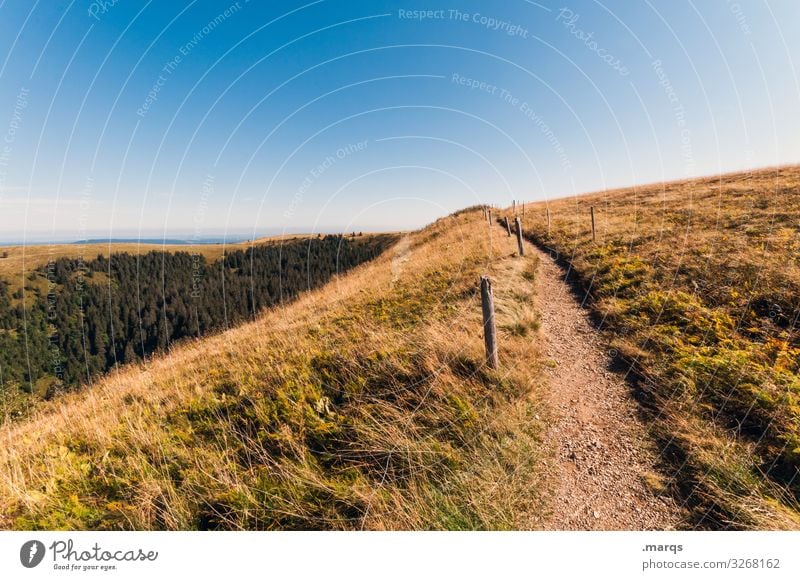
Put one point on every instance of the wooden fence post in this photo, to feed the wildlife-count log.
(519, 236)
(508, 227)
(547, 211)
(594, 236)
(489, 328)
(489, 218)
(523, 209)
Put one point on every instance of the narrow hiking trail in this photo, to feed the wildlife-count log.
(603, 457)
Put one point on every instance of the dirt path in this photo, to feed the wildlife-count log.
(603, 460)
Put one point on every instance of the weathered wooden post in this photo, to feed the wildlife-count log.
(489, 328)
(519, 236)
(489, 217)
(508, 227)
(594, 237)
(523, 209)
(547, 211)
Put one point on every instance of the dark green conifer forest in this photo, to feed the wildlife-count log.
(85, 317)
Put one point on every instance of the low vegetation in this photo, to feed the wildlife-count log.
(698, 285)
(363, 404)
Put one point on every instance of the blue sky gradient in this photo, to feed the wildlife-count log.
(199, 118)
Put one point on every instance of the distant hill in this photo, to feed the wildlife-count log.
(166, 241)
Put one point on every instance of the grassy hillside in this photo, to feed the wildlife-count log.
(698, 286)
(364, 404)
(75, 319)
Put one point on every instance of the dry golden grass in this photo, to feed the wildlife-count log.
(698, 285)
(364, 404)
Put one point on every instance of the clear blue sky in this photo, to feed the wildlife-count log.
(219, 116)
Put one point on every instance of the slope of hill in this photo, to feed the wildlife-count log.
(697, 284)
(74, 319)
(364, 404)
